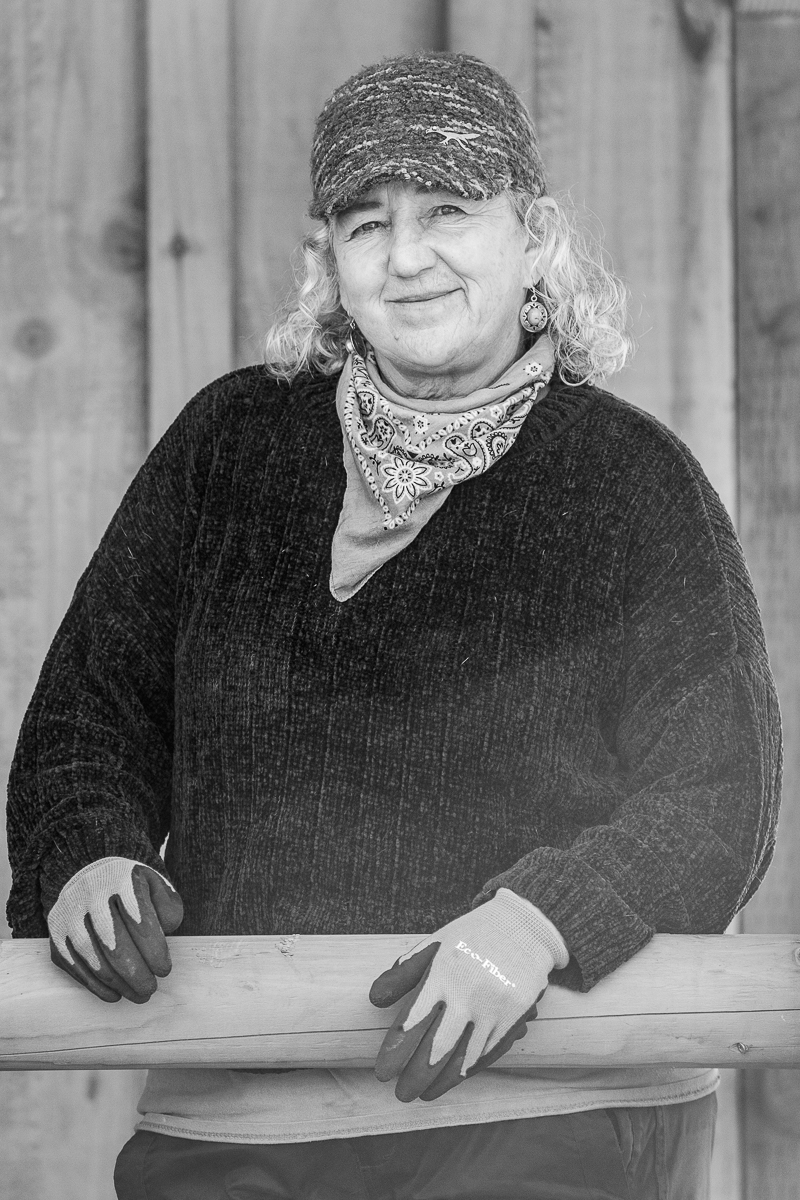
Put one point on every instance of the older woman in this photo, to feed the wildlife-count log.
(498, 676)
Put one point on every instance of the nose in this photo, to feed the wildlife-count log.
(410, 250)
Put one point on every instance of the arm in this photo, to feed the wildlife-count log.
(696, 735)
(91, 777)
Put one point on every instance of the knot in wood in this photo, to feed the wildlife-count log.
(124, 246)
(797, 955)
(742, 1047)
(179, 246)
(697, 21)
(34, 337)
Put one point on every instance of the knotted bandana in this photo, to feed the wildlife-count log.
(402, 458)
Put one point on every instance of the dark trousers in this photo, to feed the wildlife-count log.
(607, 1154)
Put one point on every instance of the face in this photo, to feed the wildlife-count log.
(435, 283)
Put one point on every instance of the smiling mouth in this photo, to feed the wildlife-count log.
(422, 299)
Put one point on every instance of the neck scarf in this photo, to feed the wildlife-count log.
(403, 458)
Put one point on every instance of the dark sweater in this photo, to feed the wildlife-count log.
(560, 687)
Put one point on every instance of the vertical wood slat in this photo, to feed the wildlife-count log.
(633, 112)
(502, 33)
(71, 310)
(768, 226)
(190, 261)
(72, 255)
(289, 57)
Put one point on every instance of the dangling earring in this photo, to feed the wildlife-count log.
(534, 315)
(350, 346)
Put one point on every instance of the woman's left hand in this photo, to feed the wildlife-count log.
(471, 988)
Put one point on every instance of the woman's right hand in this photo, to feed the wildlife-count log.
(107, 928)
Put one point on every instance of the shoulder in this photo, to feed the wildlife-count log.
(639, 452)
(240, 393)
(629, 429)
(631, 470)
(238, 404)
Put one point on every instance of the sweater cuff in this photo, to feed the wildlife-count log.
(546, 931)
(600, 929)
(63, 850)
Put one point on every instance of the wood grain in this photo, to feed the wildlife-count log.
(190, 276)
(634, 115)
(502, 33)
(768, 227)
(72, 257)
(303, 1002)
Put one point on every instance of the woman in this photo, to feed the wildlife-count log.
(501, 679)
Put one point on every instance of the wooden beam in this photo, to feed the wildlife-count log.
(302, 1001)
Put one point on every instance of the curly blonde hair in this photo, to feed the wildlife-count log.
(587, 302)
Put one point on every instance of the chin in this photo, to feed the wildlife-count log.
(427, 355)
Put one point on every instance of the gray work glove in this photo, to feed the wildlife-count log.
(473, 987)
(107, 928)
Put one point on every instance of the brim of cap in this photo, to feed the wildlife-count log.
(430, 177)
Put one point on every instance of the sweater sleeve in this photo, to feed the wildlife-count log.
(696, 739)
(91, 775)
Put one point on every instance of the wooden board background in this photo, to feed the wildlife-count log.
(152, 184)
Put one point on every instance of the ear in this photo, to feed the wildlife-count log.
(533, 264)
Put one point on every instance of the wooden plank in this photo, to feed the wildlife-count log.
(289, 58)
(633, 110)
(768, 223)
(502, 33)
(72, 255)
(302, 1001)
(190, 277)
(726, 1159)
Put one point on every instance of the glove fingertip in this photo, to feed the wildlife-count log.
(162, 970)
(384, 1072)
(383, 992)
(401, 977)
(161, 894)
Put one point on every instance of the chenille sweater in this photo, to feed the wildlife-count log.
(560, 687)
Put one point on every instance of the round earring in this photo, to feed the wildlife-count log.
(533, 316)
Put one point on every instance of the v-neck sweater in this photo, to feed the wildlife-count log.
(560, 687)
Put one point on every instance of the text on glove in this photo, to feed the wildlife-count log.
(486, 963)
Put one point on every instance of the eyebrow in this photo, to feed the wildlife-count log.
(359, 206)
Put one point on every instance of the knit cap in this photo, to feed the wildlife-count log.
(438, 119)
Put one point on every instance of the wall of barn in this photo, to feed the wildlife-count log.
(153, 182)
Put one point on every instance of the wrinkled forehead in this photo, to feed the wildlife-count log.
(386, 191)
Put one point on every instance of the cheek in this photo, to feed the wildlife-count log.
(357, 287)
(509, 285)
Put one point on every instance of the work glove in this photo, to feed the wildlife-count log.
(474, 985)
(107, 928)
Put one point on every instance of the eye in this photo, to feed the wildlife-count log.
(364, 227)
(448, 210)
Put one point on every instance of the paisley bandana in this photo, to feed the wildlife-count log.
(402, 459)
